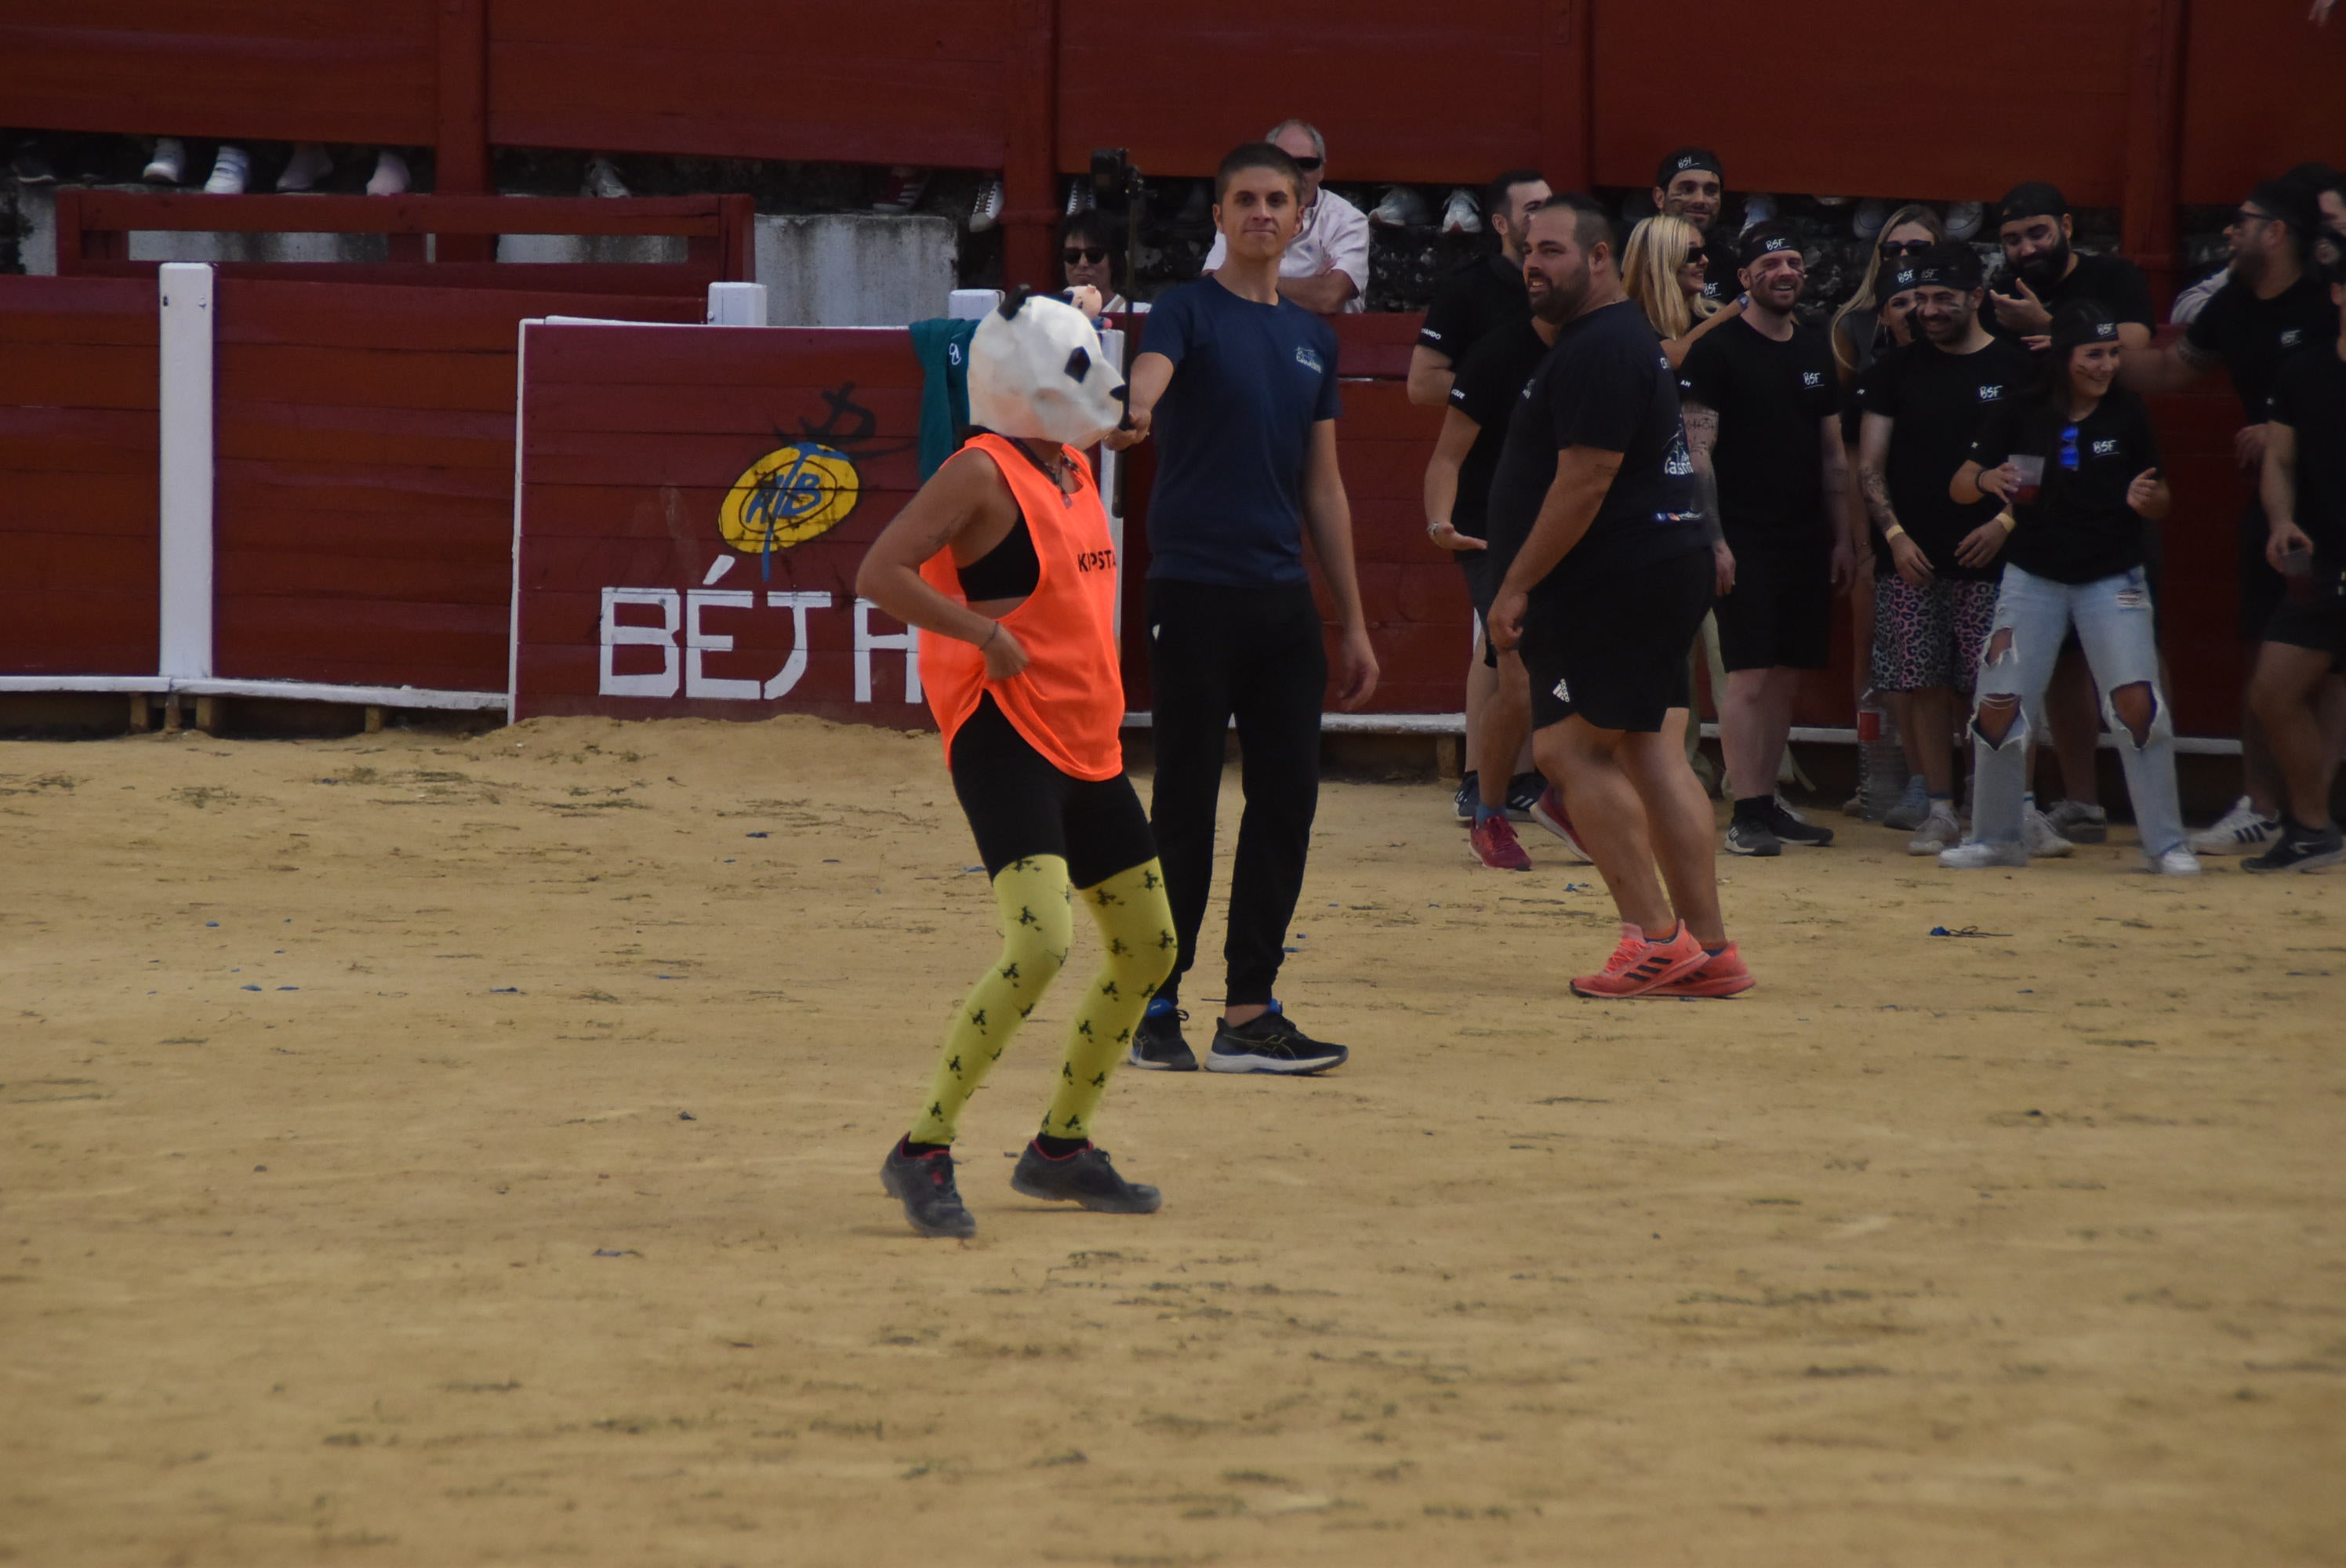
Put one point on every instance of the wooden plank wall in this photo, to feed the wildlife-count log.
(631, 441)
(78, 483)
(365, 475)
(2261, 90)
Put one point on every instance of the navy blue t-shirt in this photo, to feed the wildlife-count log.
(1233, 435)
(1603, 385)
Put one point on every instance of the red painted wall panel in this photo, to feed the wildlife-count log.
(365, 463)
(78, 489)
(2262, 89)
(319, 70)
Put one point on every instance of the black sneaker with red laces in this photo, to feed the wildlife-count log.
(925, 1185)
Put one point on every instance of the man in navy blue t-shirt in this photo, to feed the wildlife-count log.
(1605, 574)
(1239, 387)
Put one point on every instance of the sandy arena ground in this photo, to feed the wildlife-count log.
(417, 1149)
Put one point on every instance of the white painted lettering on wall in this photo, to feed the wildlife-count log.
(653, 618)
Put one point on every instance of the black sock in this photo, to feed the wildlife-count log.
(1755, 808)
(1058, 1148)
(914, 1151)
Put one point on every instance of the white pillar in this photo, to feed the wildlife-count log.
(736, 305)
(185, 419)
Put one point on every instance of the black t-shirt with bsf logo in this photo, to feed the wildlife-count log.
(2079, 529)
(1938, 401)
(1489, 384)
(1772, 398)
(2253, 337)
(2311, 398)
(1473, 302)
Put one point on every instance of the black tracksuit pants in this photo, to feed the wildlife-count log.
(1253, 655)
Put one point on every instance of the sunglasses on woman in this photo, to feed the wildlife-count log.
(1089, 255)
(1904, 247)
(1694, 253)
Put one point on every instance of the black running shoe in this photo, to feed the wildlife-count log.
(1524, 791)
(1270, 1044)
(1470, 790)
(925, 1185)
(1748, 835)
(1084, 1177)
(2300, 849)
(1156, 1044)
(1791, 829)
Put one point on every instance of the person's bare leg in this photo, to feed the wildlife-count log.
(1744, 726)
(1481, 680)
(1911, 738)
(2288, 684)
(1679, 826)
(1506, 729)
(1934, 710)
(2260, 773)
(1580, 760)
(2076, 722)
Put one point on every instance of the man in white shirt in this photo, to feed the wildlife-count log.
(1326, 267)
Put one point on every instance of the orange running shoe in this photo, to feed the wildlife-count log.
(1722, 973)
(1641, 964)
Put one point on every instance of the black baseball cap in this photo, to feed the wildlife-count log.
(1948, 266)
(1762, 238)
(1684, 159)
(2033, 198)
(1902, 279)
(2081, 322)
(2290, 201)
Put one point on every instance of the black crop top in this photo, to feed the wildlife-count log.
(1009, 570)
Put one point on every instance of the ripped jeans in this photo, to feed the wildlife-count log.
(2033, 617)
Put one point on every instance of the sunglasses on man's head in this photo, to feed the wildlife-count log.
(1090, 255)
(2247, 215)
(1904, 247)
(1309, 165)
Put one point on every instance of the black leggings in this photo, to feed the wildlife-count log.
(1018, 805)
(1253, 655)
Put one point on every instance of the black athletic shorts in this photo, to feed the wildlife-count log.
(1018, 804)
(2318, 625)
(1614, 649)
(1781, 613)
(2261, 589)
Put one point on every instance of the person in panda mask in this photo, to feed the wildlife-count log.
(1005, 561)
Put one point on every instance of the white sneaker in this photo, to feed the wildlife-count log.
(1976, 856)
(1912, 807)
(1400, 209)
(2040, 838)
(169, 164)
(389, 176)
(1459, 215)
(1940, 831)
(310, 164)
(1080, 199)
(2078, 822)
(2240, 830)
(603, 179)
(987, 212)
(2178, 862)
(1964, 220)
(228, 171)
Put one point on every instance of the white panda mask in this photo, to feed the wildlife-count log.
(1036, 370)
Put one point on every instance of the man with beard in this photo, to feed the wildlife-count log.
(1762, 406)
(1605, 574)
(1692, 183)
(1936, 566)
(2270, 310)
(1482, 300)
(2041, 272)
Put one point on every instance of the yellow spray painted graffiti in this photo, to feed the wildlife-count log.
(792, 495)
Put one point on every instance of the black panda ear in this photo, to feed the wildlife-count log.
(1014, 301)
(1079, 365)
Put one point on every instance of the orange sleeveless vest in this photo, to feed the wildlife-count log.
(1068, 702)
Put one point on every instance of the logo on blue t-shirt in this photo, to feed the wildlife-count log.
(1310, 361)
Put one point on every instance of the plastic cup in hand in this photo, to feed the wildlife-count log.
(2032, 478)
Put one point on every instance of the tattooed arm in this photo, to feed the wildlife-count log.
(1702, 438)
(1872, 465)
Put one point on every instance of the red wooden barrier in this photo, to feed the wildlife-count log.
(365, 472)
(94, 230)
(634, 598)
(2261, 90)
(77, 477)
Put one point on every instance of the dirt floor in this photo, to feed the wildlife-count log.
(419, 1149)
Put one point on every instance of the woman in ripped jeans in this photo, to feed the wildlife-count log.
(2076, 467)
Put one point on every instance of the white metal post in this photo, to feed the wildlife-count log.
(736, 305)
(186, 419)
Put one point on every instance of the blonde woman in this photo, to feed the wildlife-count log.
(1859, 334)
(1662, 271)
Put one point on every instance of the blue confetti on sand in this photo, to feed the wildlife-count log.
(247, 988)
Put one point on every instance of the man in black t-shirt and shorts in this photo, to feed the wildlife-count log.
(2304, 650)
(1469, 306)
(1763, 417)
(1934, 567)
(2271, 309)
(1605, 573)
